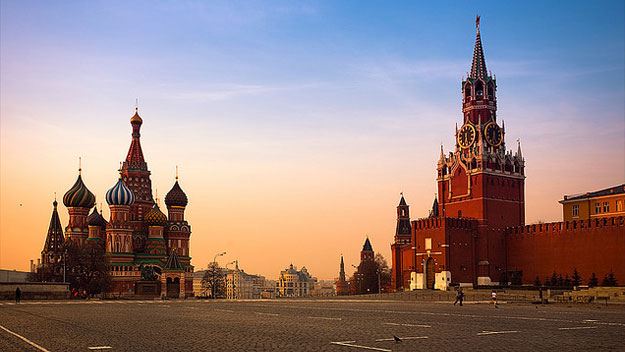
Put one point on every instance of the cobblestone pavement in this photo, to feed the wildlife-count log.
(306, 325)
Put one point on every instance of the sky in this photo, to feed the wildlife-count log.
(296, 125)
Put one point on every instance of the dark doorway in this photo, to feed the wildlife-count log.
(430, 273)
(173, 288)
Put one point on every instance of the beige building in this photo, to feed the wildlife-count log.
(604, 203)
(198, 290)
(294, 283)
(241, 285)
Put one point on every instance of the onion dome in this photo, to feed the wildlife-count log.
(120, 194)
(79, 196)
(96, 219)
(136, 118)
(155, 217)
(176, 197)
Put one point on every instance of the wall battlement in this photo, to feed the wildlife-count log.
(567, 226)
(438, 222)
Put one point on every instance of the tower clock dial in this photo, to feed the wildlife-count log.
(466, 136)
(493, 134)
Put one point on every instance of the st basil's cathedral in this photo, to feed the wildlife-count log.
(138, 235)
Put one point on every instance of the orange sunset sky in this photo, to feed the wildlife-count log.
(295, 127)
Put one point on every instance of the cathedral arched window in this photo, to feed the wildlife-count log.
(467, 92)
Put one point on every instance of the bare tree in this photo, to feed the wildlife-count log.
(214, 280)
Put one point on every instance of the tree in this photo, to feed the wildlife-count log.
(214, 280)
(593, 281)
(554, 279)
(576, 279)
(385, 272)
(372, 276)
(84, 266)
(560, 280)
(609, 280)
(567, 281)
(537, 281)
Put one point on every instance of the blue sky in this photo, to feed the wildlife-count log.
(324, 104)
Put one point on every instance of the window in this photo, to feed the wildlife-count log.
(619, 205)
(428, 243)
(597, 208)
(606, 207)
(575, 211)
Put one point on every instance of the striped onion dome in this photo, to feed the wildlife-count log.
(155, 217)
(176, 197)
(120, 194)
(96, 219)
(79, 196)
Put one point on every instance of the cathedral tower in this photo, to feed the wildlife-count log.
(481, 179)
(178, 230)
(78, 201)
(136, 176)
(367, 251)
(53, 248)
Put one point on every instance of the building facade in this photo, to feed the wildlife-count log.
(138, 235)
(294, 283)
(476, 232)
(605, 203)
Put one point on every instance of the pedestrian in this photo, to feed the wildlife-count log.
(459, 296)
(493, 296)
(18, 295)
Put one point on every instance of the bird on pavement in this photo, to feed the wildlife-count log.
(397, 339)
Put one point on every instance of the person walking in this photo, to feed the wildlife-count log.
(493, 296)
(459, 296)
(18, 295)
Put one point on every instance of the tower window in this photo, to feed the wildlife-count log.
(597, 208)
(606, 207)
(619, 205)
(575, 211)
(479, 89)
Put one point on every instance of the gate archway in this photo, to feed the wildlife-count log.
(430, 273)
(173, 287)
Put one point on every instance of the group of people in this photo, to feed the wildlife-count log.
(460, 297)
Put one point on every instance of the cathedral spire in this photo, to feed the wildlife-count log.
(53, 248)
(134, 159)
(478, 67)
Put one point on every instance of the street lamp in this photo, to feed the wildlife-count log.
(213, 272)
(232, 262)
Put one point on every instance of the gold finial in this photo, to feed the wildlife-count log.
(136, 104)
(100, 208)
(156, 195)
(55, 196)
(80, 165)
(120, 170)
(401, 193)
(477, 23)
(176, 172)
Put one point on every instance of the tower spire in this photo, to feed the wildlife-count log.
(478, 66)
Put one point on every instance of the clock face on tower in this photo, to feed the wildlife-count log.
(466, 136)
(493, 135)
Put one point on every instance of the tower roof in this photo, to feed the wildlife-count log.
(402, 201)
(120, 194)
(367, 246)
(79, 195)
(54, 238)
(478, 66)
(155, 217)
(176, 196)
(95, 218)
(173, 263)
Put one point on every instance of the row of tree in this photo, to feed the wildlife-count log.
(576, 280)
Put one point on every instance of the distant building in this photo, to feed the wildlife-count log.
(324, 288)
(198, 290)
(293, 283)
(594, 205)
(241, 285)
(342, 288)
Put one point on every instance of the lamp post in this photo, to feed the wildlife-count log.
(213, 272)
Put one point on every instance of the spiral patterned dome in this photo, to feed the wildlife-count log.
(155, 217)
(176, 197)
(96, 219)
(120, 194)
(79, 196)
